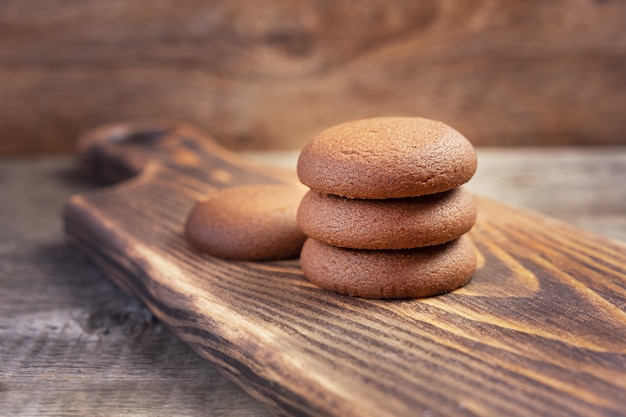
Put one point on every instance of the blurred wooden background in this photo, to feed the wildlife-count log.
(271, 74)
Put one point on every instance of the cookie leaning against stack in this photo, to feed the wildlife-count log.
(386, 213)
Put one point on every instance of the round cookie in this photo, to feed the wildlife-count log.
(409, 273)
(387, 157)
(253, 222)
(399, 223)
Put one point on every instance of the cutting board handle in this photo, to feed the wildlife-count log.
(116, 152)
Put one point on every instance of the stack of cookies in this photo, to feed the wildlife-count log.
(386, 214)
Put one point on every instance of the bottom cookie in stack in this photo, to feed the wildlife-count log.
(392, 273)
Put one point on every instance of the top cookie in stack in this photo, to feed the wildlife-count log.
(387, 157)
(386, 214)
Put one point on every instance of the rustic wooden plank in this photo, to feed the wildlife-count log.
(71, 342)
(539, 330)
(127, 362)
(549, 72)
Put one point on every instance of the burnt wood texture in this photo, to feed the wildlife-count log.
(540, 329)
(272, 76)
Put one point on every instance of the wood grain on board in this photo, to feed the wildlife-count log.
(540, 330)
(502, 72)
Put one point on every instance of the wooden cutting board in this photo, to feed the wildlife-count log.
(540, 330)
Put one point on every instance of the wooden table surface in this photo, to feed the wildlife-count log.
(71, 343)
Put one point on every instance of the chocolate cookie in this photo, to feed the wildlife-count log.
(387, 224)
(408, 273)
(254, 222)
(387, 157)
